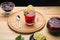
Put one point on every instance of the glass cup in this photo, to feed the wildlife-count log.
(30, 18)
(7, 7)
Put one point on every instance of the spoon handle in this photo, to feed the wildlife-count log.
(19, 25)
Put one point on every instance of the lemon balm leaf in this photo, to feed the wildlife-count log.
(25, 13)
(19, 38)
(22, 38)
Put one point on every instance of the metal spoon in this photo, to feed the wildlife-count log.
(18, 19)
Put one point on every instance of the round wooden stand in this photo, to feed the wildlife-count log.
(13, 23)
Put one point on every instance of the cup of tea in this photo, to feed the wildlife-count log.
(29, 15)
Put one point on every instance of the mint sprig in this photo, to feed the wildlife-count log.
(25, 13)
(19, 38)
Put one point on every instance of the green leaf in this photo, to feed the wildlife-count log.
(25, 13)
(19, 38)
(22, 38)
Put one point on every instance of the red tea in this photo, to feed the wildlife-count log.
(29, 18)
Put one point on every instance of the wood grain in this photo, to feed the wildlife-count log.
(38, 25)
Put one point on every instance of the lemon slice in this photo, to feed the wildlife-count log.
(29, 8)
(36, 35)
(39, 36)
(42, 37)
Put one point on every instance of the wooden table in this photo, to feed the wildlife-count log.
(7, 34)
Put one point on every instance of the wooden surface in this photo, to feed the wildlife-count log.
(7, 34)
(38, 25)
